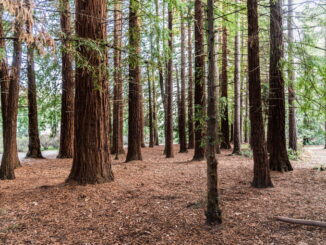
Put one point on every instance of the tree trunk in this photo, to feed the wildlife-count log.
(213, 212)
(91, 161)
(237, 105)
(142, 136)
(169, 112)
(225, 142)
(261, 167)
(134, 113)
(117, 137)
(291, 91)
(10, 157)
(34, 145)
(182, 115)
(279, 160)
(199, 82)
(67, 100)
(150, 109)
(191, 135)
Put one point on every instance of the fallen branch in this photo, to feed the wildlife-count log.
(302, 221)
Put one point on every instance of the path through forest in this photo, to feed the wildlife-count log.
(160, 201)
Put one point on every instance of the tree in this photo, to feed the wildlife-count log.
(261, 167)
(291, 91)
(182, 115)
(169, 119)
(134, 113)
(117, 139)
(67, 100)
(191, 134)
(150, 108)
(237, 105)
(91, 161)
(199, 82)
(34, 145)
(9, 100)
(213, 212)
(278, 160)
(225, 142)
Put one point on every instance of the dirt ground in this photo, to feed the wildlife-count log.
(162, 201)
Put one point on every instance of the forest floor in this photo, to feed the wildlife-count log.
(162, 201)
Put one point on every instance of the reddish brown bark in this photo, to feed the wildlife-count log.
(91, 161)
(10, 83)
(279, 160)
(150, 109)
(225, 139)
(117, 130)
(191, 135)
(261, 167)
(199, 83)
(182, 114)
(134, 113)
(169, 113)
(68, 85)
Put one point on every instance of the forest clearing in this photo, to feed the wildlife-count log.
(162, 201)
(163, 122)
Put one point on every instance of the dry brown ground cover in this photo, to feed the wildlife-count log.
(160, 201)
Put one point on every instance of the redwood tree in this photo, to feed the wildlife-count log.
(237, 105)
(225, 130)
(91, 161)
(191, 134)
(291, 77)
(169, 118)
(134, 113)
(68, 85)
(279, 160)
(9, 99)
(262, 177)
(182, 116)
(199, 82)
(117, 138)
(213, 212)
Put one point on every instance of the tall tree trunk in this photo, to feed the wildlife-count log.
(34, 145)
(199, 82)
(169, 119)
(134, 113)
(213, 212)
(291, 91)
(262, 177)
(91, 161)
(237, 105)
(191, 134)
(225, 142)
(242, 81)
(10, 157)
(142, 136)
(279, 160)
(68, 85)
(150, 108)
(156, 138)
(217, 94)
(117, 139)
(246, 126)
(182, 115)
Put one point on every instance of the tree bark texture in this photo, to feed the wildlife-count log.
(134, 111)
(68, 86)
(278, 160)
(291, 77)
(150, 108)
(169, 117)
(225, 141)
(213, 211)
(117, 134)
(10, 156)
(191, 134)
(199, 153)
(91, 161)
(237, 105)
(261, 167)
